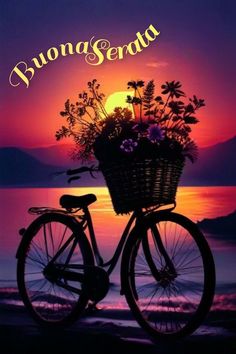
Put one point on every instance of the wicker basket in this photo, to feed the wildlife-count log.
(142, 184)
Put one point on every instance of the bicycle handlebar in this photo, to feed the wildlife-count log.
(82, 169)
(78, 171)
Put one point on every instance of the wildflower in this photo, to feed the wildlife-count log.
(190, 150)
(128, 145)
(156, 126)
(177, 107)
(173, 89)
(155, 133)
(197, 102)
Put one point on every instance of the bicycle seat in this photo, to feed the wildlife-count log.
(71, 201)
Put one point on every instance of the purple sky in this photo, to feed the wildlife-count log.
(196, 46)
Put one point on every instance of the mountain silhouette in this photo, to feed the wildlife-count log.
(216, 166)
(55, 155)
(19, 168)
(222, 227)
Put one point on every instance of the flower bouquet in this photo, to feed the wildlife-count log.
(141, 150)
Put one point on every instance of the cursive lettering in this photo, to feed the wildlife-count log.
(95, 51)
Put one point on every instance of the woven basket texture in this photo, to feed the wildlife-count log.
(142, 184)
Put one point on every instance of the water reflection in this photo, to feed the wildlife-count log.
(194, 202)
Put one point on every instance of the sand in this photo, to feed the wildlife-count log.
(109, 331)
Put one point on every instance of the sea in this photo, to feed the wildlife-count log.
(197, 203)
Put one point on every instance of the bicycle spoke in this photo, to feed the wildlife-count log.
(63, 237)
(39, 251)
(51, 297)
(176, 244)
(36, 261)
(190, 261)
(181, 246)
(168, 301)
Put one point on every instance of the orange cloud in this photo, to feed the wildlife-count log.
(156, 64)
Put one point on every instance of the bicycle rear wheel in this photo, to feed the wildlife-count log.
(168, 302)
(53, 294)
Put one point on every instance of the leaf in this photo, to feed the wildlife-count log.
(149, 113)
(176, 118)
(135, 84)
(187, 128)
(64, 114)
(136, 100)
(190, 120)
(63, 132)
(164, 92)
(165, 118)
(189, 108)
(148, 106)
(129, 99)
(140, 83)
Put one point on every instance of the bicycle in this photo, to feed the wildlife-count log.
(167, 268)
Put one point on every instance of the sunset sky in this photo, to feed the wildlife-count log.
(196, 46)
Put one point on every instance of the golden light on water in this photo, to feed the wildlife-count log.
(118, 99)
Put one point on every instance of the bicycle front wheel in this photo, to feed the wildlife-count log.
(53, 254)
(168, 275)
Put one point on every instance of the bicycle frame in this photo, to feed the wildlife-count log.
(137, 217)
(87, 221)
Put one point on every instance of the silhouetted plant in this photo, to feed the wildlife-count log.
(148, 97)
(172, 116)
(161, 125)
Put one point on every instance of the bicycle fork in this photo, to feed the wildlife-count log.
(167, 273)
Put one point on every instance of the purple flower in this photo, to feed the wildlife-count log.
(128, 145)
(155, 133)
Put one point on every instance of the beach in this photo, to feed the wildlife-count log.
(107, 331)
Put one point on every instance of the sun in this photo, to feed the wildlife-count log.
(118, 99)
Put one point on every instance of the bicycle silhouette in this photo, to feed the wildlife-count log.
(167, 269)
